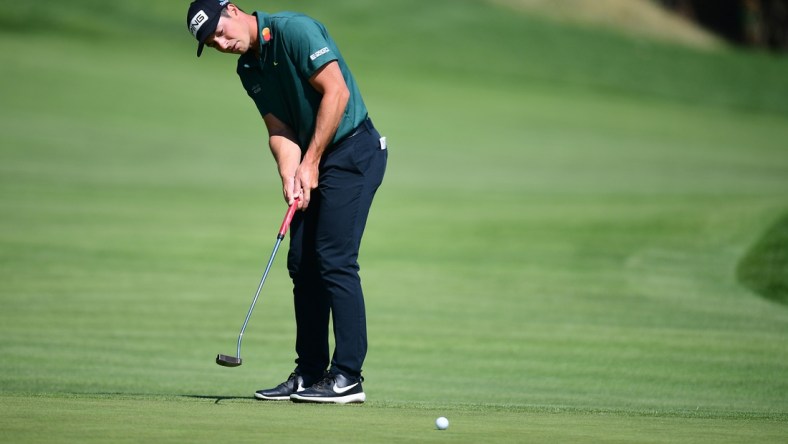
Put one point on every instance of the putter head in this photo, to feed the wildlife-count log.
(228, 361)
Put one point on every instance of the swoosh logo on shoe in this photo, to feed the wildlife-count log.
(343, 389)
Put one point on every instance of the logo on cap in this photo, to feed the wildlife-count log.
(198, 20)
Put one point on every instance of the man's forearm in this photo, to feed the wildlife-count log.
(328, 117)
(287, 155)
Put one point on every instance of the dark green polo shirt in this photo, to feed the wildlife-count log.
(292, 48)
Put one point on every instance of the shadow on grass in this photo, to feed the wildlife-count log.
(764, 269)
(217, 399)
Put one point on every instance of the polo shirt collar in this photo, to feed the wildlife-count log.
(264, 31)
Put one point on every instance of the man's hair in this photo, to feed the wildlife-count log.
(227, 14)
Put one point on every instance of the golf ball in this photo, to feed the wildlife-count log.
(442, 423)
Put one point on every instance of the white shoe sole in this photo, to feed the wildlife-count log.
(272, 398)
(347, 399)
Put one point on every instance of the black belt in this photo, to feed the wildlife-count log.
(366, 125)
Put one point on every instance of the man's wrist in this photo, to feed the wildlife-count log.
(310, 158)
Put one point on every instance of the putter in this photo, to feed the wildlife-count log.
(235, 361)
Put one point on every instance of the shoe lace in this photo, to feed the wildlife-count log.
(327, 381)
(290, 380)
(330, 379)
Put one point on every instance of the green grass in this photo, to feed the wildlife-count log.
(553, 256)
(122, 418)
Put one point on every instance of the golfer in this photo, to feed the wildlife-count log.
(331, 160)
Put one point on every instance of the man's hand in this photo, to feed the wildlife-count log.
(306, 178)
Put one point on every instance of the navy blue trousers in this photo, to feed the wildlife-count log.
(323, 257)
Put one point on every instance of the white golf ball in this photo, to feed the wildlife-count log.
(442, 423)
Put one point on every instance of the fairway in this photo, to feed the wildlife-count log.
(555, 254)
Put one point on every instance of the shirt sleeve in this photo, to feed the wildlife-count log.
(309, 45)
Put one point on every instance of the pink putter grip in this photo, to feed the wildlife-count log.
(288, 217)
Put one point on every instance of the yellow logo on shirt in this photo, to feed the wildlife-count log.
(266, 33)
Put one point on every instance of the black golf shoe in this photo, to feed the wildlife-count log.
(282, 392)
(336, 389)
